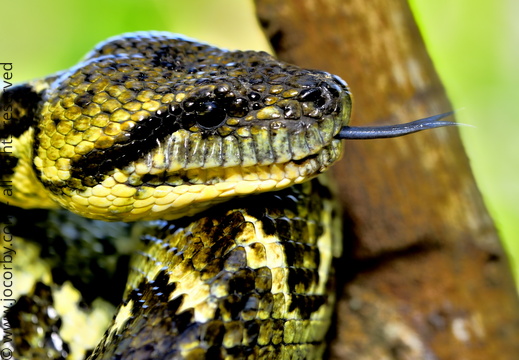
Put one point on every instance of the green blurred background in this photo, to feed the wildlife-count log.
(474, 44)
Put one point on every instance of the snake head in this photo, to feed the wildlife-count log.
(155, 125)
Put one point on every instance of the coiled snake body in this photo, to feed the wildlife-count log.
(154, 126)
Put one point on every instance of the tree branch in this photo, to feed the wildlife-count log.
(426, 275)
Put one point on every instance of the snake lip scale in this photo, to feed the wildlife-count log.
(227, 152)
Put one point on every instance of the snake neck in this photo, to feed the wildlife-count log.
(249, 278)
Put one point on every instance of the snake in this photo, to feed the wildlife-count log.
(197, 173)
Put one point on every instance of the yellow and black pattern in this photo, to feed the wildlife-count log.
(155, 126)
(243, 282)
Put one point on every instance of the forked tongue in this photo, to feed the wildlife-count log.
(381, 132)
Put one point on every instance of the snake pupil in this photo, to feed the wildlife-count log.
(209, 114)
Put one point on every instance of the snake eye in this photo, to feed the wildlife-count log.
(209, 115)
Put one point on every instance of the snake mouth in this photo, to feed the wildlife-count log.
(188, 173)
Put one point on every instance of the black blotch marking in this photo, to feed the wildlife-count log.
(94, 166)
(21, 102)
(83, 100)
(214, 333)
(169, 57)
(233, 305)
(36, 307)
(242, 282)
(306, 304)
(298, 277)
(236, 259)
(7, 164)
(252, 329)
(74, 249)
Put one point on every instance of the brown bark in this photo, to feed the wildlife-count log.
(426, 276)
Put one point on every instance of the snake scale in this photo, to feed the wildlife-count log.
(216, 158)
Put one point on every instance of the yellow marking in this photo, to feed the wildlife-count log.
(86, 193)
(184, 199)
(250, 231)
(29, 268)
(79, 200)
(180, 97)
(222, 186)
(141, 168)
(279, 276)
(141, 203)
(92, 109)
(233, 336)
(99, 202)
(50, 172)
(161, 191)
(269, 113)
(250, 173)
(145, 95)
(53, 154)
(67, 151)
(123, 191)
(84, 147)
(140, 115)
(57, 140)
(167, 199)
(100, 190)
(64, 127)
(283, 183)
(290, 93)
(267, 185)
(275, 255)
(92, 323)
(124, 313)
(63, 175)
(139, 212)
(196, 188)
(291, 171)
(119, 115)
(166, 99)
(246, 187)
(232, 121)
(151, 105)
(123, 201)
(113, 128)
(276, 89)
(300, 179)
(158, 209)
(92, 134)
(120, 177)
(73, 113)
(209, 192)
(181, 189)
(109, 182)
(92, 211)
(233, 174)
(228, 193)
(104, 142)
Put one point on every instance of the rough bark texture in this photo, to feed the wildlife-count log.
(425, 276)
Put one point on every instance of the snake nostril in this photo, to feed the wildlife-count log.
(312, 94)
